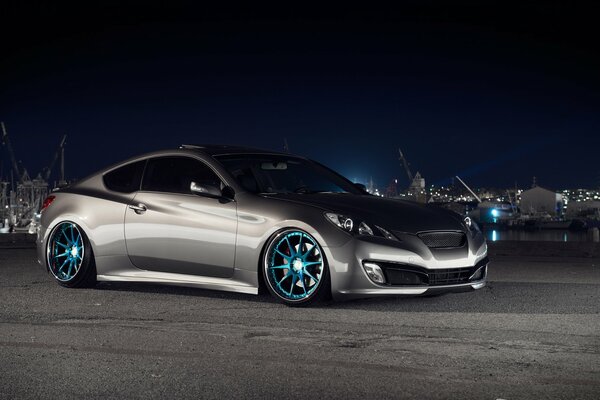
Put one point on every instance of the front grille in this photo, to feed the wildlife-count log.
(406, 276)
(395, 276)
(411, 275)
(450, 276)
(443, 240)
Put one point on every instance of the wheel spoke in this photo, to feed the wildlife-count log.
(64, 237)
(311, 277)
(283, 279)
(62, 266)
(308, 251)
(64, 246)
(282, 254)
(63, 233)
(309, 263)
(291, 249)
(293, 283)
(72, 235)
(283, 266)
(61, 255)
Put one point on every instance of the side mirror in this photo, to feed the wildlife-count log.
(225, 195)
(205, 190)
(228, 193)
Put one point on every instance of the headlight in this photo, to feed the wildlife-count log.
(386, 234)
(468, 222)
(342, 221)
(471, 225)
(364, 229)
(358, 227)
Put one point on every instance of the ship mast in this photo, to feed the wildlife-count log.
(405, 163)
(469, 189)
(11, 153)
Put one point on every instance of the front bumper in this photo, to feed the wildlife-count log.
(410, 267)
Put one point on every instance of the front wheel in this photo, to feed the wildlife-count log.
(69, 256)
(295, 269)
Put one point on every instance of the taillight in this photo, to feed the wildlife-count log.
(47, 202)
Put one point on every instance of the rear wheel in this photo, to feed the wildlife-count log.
(295, 269)
(70, 257)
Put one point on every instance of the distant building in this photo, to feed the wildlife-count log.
(492, 211)
(392, 189)
(589, 209)
(416, 190)
(538, 200)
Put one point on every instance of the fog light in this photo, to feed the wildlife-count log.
(374, 272)
(479, 274)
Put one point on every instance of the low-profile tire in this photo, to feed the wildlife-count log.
(69, 256)
(295, 269)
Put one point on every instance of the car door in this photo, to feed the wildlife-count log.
(170, 229)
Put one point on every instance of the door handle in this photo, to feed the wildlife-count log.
(139, 209)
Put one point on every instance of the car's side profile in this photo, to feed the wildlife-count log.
(230, 218)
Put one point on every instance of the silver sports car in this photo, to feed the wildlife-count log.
(231, 218)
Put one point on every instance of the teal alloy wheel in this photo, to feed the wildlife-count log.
(68, 258)
(295, 269)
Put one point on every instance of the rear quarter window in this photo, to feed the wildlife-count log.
(125, 179)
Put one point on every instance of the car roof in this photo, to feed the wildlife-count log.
(223, 149)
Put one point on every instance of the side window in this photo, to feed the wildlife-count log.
(125, 179)
(175, 174)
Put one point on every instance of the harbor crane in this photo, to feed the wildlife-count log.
(11, 154)
(26, 197)
(406, 165)
(60, 152)
(469, 189)
(416, 189)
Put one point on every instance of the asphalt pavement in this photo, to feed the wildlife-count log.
(532, 333)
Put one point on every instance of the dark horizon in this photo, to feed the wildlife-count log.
(494, 93)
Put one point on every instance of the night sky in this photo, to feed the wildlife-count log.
(495, 93)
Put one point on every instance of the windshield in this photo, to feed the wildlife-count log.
(260, 173)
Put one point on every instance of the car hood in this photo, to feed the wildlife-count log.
(391, 214)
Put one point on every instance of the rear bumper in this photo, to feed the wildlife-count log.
(40, 243)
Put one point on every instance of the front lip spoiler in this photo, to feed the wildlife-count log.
(413, 290)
